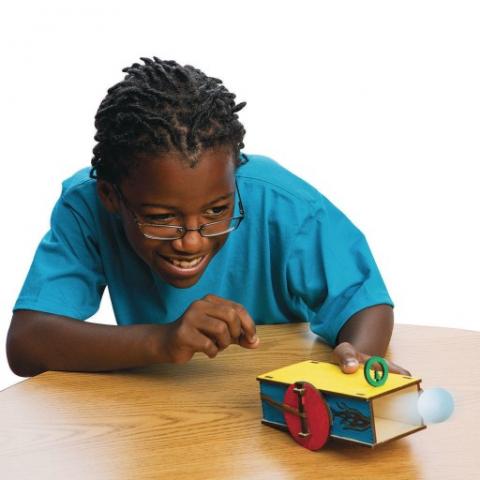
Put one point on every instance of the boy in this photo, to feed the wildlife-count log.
(196, 241)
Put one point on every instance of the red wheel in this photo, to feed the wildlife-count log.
(311, 427)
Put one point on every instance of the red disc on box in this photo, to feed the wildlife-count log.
(312, 426)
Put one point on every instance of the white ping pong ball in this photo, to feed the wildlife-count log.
(435, 405)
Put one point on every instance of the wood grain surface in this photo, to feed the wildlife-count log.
(202, 420)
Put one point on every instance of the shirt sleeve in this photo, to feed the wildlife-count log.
(331, 272)
(66, 276)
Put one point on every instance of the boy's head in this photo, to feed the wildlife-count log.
(169, 142)
(162, 107)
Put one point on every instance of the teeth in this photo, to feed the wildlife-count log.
(184, 264)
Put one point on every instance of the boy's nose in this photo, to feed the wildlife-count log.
(191, 242)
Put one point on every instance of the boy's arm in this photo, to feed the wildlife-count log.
(37, 342)
(366, 333)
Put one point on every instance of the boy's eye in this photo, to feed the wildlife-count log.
(216, 211)
(160, 218)
(163, 218)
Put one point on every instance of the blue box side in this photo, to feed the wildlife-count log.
(275, 391)
(351, 418)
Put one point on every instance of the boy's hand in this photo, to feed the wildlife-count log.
(349, 359)
(209, 325)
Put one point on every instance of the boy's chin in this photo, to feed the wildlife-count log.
(182, 283)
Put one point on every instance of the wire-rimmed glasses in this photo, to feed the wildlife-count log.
(157, 231)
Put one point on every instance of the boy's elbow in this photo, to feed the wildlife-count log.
(18, 365)
(14, 357)
(18, 369)
(17, 349)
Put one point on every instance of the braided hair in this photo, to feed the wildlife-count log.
(160, 107)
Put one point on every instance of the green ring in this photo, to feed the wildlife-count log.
(376, 382)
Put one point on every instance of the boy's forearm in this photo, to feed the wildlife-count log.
(369, 330)
(41, 342)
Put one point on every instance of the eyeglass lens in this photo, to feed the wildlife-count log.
(207, 230)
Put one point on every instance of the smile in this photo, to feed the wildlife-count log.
(184, 263)
(184, 268)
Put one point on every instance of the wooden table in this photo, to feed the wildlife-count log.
(202, 419)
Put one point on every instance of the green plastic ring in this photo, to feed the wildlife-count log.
(376, 381)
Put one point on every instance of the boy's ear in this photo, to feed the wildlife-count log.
(108, 196)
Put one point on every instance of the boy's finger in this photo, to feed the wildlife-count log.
(247, 324)
(394, 368)
(243, 342)
(217, 330)
(202, 343)
(227, 315)
(345, 355)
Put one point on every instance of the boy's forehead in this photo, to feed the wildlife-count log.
(170, 177)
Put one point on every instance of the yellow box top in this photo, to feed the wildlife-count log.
(328, 377)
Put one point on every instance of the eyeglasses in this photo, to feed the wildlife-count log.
(157, 231)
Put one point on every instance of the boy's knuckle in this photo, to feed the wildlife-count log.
(183, 331)
(231, 314)
(239, 308)
(221, 328)
(198, 304)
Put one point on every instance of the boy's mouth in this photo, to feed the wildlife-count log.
(184, 268)
(185, 263)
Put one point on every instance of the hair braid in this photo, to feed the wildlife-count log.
(161, 106)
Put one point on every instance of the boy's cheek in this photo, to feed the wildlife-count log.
(139, 246)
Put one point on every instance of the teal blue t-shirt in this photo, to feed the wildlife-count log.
(295, 257)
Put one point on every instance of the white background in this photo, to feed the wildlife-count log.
(375, 103)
